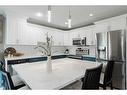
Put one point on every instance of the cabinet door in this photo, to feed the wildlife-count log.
(58, 38)
(28, 34)
(102, 27)
(36, 33)
(66, 39)
(94, 36)
(82, 33)
(88, 36)
(117, 24)
(62, 38)
(71, 38)
(12, 31)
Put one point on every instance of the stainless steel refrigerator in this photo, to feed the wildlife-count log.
(112, 46)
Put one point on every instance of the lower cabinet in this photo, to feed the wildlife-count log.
(29, 60)
(37, 59)
(88, 58)
(58, 57)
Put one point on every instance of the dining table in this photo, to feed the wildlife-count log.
(64, 72)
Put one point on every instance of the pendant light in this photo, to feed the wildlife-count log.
(49, 14)
(69, 20)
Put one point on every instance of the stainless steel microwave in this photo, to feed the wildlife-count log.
(77, 41)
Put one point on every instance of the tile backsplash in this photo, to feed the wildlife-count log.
(30, 49)
(72, 50)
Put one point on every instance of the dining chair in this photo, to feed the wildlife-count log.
(106, 77)
(2, 61)
(8, 83)
(15, 78)
(92, 78)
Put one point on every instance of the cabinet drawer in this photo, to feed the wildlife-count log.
(89, 58)
(37, 59)
(12, 62)
(59, 56)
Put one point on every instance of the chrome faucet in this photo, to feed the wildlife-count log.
(48, 48)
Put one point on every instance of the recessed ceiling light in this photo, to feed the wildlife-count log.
(39, 14)
(90, 14)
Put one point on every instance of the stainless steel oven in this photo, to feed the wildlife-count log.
(82, 51)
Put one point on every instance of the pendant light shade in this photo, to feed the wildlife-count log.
(69, 20)
(49, 14)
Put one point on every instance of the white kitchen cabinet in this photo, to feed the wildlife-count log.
(117, 23)
(27, 35)
(71, 36)
(111, 24)
(37, 34)
(81, 33)
(67, 39)
(101, 27)
(11, 31)
(58, 38)
(89, 35)
(18, 33)
(91, 38)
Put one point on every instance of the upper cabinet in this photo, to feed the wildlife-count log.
(117, 23)
(67, 40)
(19, 32)
(87, 32)
(35, 34)
(111, 24)
(11, 30)
(58, 38)
(101, 27)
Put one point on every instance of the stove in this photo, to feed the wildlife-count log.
(79, 53)
(82, 51)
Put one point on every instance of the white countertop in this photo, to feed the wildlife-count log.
(65, 71)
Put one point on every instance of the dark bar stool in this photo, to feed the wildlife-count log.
(106, 79)
(92, 78)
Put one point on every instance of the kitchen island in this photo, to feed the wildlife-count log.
(29, 59)
(64, 72)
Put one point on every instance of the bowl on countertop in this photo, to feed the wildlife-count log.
(10, 51)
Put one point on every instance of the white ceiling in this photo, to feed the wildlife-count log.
(80, 14)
